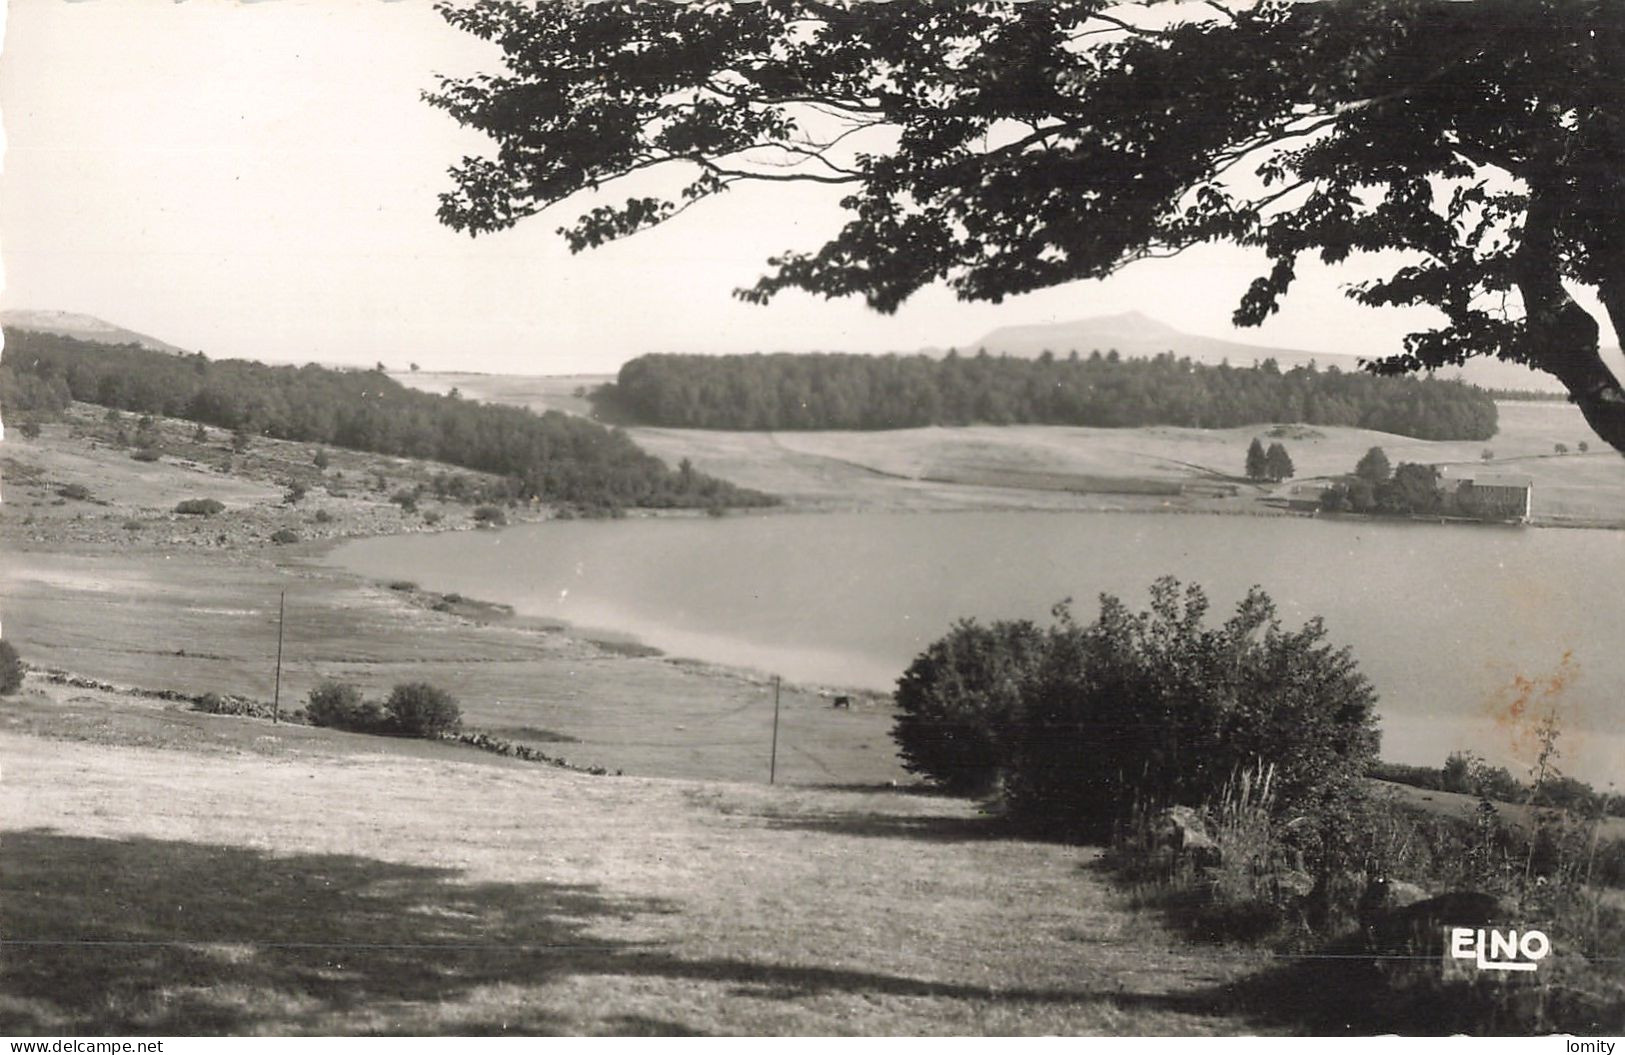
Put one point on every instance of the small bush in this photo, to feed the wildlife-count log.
(145, 454)
(200, 507)
(431, 516)
(283, 536)
(403, 585)
(295, 493)
(405, 498)
(320, 461)
(419, 709)
(11, 669)
(77, 492)
(323, 517)
(31, 430)
(490, 516)
(132, 525)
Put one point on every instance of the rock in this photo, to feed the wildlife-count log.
(1182, 830)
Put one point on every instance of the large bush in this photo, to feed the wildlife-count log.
(957, 701)
(1154, 708)
(11, 669)
(340, 706)
(419, 709)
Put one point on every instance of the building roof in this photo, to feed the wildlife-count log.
(1502, 480)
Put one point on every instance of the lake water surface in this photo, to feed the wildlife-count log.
(1445, 620)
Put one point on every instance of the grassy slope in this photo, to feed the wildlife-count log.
(263, 880)
(1082, 468)
(190, 604)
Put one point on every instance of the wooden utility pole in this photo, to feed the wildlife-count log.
(773, 763)
(276, 698)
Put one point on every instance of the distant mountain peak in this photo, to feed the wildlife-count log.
(82, 327)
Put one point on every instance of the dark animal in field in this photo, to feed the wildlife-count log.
(843, 701)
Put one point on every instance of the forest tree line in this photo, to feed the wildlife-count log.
(848, 391)
(551, 456)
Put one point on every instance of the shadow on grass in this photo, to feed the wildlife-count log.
(893, 826)
(1341, 990)
(145, 936)
(106, 936)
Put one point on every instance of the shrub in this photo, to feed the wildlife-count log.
(11, 669)
(77, 492)
(295, 493)
(145, 454)
(1154, 709)
(406, 498)
(958, 698)
(200, 507)
(403, 585)
(431, 516)
(320, 460)
(31, 430)
(490, 516)
(283, 536)
(417, 708)
(323, 517)
(339, 706)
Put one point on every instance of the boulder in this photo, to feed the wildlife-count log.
(1182, 830)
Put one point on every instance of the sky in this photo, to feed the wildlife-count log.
(259, 180)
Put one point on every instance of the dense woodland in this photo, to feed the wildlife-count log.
(843, 391)
(551, 456)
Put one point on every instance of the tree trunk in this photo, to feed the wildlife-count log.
(1560, 336)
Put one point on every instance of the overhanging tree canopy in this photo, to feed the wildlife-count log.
(1003, 147)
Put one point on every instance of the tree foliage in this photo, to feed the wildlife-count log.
(1003, 146)
(1144, 709)
(835, 391)
(1258, 466)
(1138, 710)
(1373, 466)
(550, 456)
(1278, 463)
(958, 700)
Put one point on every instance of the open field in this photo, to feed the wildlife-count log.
(300, 885)
(190, 604)
(1048, 467)
(953, 465)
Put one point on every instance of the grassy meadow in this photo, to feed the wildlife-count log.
(275, 880)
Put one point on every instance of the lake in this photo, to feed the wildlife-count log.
(1463, 629)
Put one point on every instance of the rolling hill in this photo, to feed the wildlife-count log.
(82, 327)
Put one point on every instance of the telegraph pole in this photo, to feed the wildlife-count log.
(276, 699)
(773, 763)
